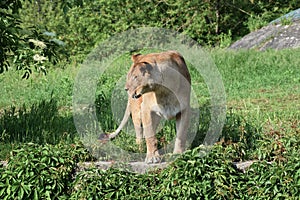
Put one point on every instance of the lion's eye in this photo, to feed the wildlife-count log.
(134, 78)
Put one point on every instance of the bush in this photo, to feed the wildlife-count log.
(40, 172)
(9, 29)
(73, 28)
(48, 172)
(25, 47)
(214, 23)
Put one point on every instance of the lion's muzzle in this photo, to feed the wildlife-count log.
(136, 96)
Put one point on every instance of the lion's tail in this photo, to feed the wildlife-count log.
(123, 122)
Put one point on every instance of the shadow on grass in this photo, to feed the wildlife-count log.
(236, 130)
(41, 123)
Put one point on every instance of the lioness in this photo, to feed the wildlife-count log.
(158, 85)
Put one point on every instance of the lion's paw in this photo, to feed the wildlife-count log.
(151, 159)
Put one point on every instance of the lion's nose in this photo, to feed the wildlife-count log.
(126, 89)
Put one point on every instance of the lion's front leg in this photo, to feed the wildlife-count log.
(135, 107)
(150, 123)
(139, 136)
(137, 122)
(182, 125)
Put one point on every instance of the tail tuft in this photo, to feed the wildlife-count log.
(103, 137)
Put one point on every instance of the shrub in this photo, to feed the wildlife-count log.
(216, 23)
(40, 172)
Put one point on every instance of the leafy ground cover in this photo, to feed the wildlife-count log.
(40, 143)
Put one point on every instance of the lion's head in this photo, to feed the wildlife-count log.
(141, 78)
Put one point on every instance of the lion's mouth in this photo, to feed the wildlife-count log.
(138, 92)
(136, 96)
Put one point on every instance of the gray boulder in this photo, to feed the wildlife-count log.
(275, 35)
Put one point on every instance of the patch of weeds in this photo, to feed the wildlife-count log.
(40, 123)
(279, 140)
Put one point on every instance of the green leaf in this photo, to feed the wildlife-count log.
(21, 193)
(36, 196)
(2, 191)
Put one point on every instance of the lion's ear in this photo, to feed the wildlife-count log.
(134, 57)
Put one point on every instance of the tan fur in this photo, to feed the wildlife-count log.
(158, 85)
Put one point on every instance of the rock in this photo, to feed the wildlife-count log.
(243, 166)
(137, 167)
(3, 163)
(140, 167)
(275, 35)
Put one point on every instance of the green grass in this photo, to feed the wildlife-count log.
(248, 76)
(267, 81)
(262, 123)
(58, 83)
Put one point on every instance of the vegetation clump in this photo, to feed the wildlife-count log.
(38, 138)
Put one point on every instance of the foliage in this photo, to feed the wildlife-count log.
(265, 12)
(43, 33)
(40, 172)
(49, 170)
(39, 53)
(83, 24)
(262, 124)
(25, 47)
(9, 28)
(72, 28)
